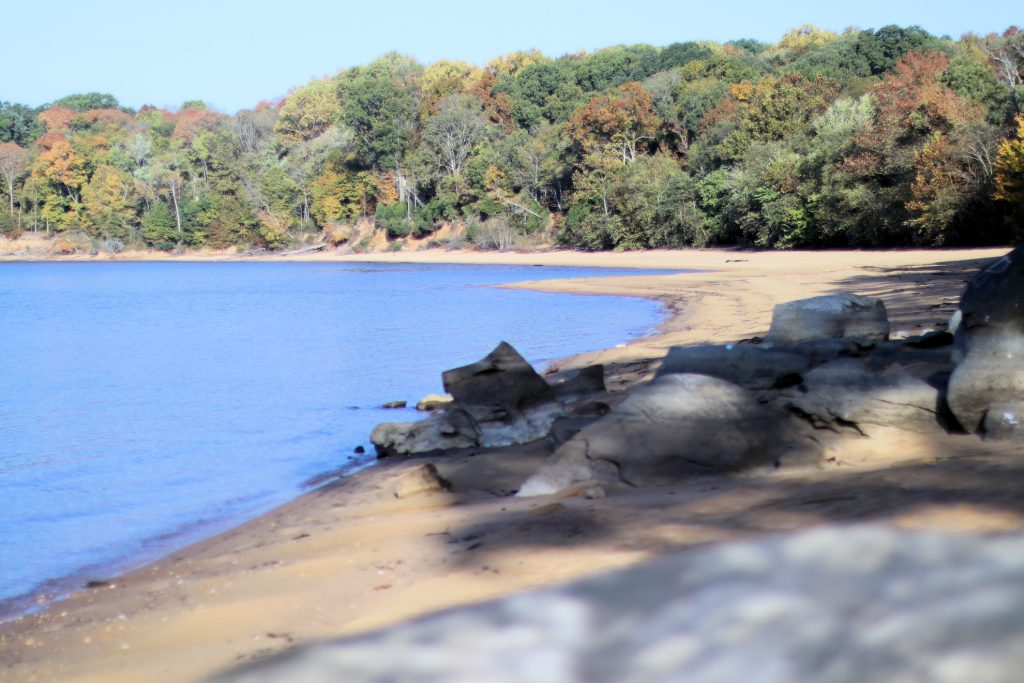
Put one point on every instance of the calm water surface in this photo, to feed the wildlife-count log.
(144, 405)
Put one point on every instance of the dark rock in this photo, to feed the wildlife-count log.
(1003, 421)
(392, 405)
(359, 450)
(834, 315)
(832, 605)
(889, 354)
(930, 340)
(845, 393)
(677, 425)
(990, 342)
(580, 382)
(820, 351)
(750, 366)
(501, 384)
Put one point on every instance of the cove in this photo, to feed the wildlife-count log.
(144, 406)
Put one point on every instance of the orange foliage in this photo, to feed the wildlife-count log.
(56, 118)
(620, 119)
(190, 122)
(107, 117)
(48, 140)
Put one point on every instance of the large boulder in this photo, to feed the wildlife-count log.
(846, 394)
(833, 605)
(834, 315)
(675, 426)
(500, 384)
(749, 366)
(991, 342)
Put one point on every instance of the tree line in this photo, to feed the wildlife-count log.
(881, 137)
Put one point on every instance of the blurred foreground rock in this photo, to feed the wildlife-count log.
(833, 605)
(990, 341)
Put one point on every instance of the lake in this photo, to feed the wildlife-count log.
(146, 405)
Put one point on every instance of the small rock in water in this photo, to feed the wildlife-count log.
(359, 450)
(433, 402)
(394, 404)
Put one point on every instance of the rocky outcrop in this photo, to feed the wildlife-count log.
(675, 426)
(834, 315)
(990, 341)
(834, 605)
(498, 401)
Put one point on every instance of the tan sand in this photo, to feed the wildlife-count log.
(351, 557)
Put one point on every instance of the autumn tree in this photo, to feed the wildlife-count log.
(108, 200)
(308, 111)
(622, 120)
(1009, 173)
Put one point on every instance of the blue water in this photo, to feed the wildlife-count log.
(143, 405)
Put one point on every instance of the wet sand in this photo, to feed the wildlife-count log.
(350, 556)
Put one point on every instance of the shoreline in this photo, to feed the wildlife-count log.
(360, 548)
(50, 591)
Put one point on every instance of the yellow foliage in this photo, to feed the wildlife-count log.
(1009, 167)
(800, 40)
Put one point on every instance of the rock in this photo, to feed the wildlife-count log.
(432, 402)
(421, 479)
(837, 604)
(425, 436)
(391, 405)
(499, 401)
(845, 393)
(930, 340)
(576, 383)
(834, 315)
(990, 342)
(1003, 421)
(458, 428)
(502, 383)
(906, 353)
(359, 450)
(677, 425)
(749, 366)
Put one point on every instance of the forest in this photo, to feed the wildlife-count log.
(866, 138)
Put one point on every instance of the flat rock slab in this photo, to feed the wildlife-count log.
(844, 393)
(749, 366)
(834, 605)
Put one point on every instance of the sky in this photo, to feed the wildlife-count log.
(233, 54)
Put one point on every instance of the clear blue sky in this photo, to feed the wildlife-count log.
(233, 54)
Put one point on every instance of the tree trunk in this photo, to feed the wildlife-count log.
(177, 211)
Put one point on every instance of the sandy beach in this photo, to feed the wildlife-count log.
(350, 556)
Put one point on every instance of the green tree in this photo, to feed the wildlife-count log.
(159, 227)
